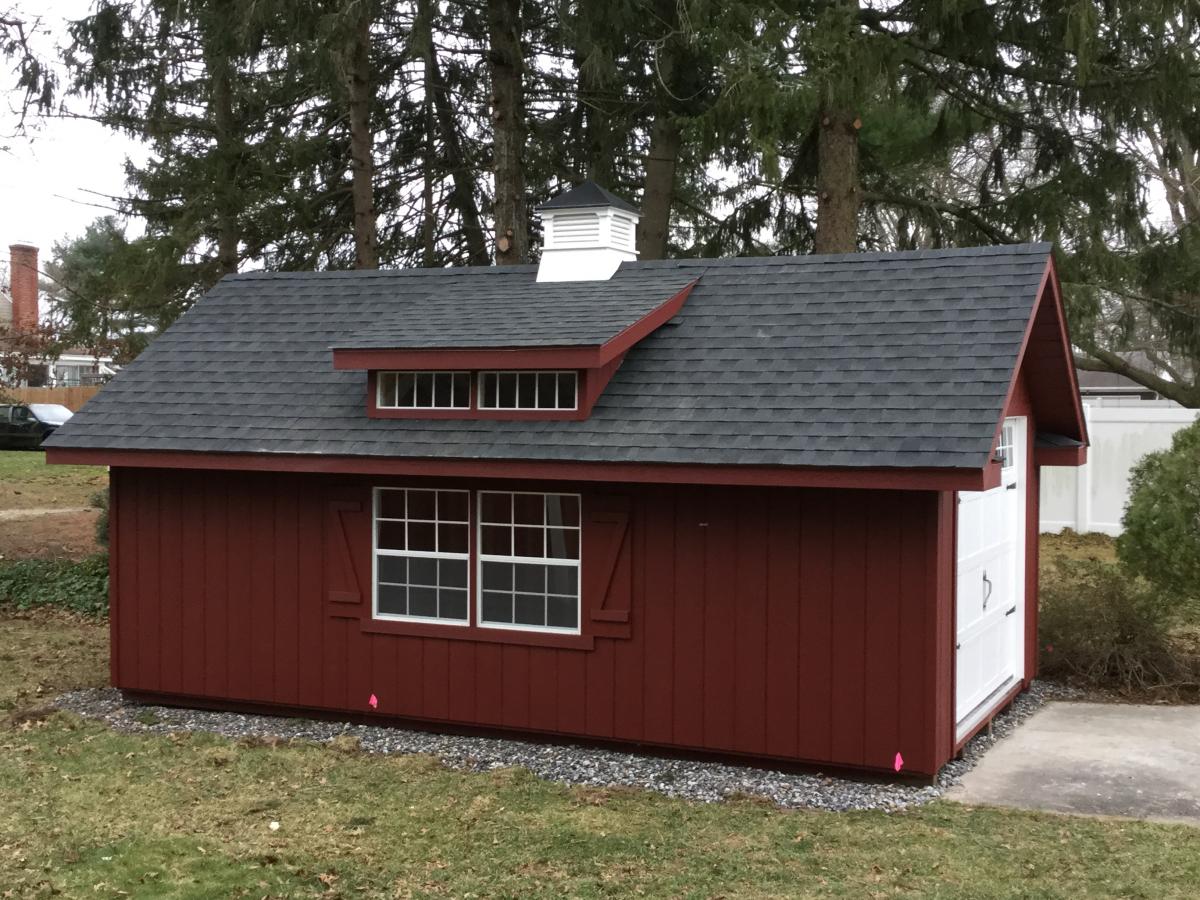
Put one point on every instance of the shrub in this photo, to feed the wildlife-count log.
(100, 502)
(1161, 540)
(81, 587)
(1106, 627)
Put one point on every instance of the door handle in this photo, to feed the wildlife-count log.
(1011, 611)
(987, 589)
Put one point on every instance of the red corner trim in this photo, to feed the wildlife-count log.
(583, 357)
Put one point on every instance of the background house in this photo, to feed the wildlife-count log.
(20, 314)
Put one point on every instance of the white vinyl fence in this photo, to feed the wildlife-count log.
(1092, 497)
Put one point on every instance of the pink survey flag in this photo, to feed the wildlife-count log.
(899, 763)
(373, 702)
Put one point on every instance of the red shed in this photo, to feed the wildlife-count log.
(774, 508)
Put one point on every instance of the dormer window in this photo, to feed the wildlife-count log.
(423, 390)
(528, 390)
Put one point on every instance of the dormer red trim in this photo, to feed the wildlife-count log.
(582, 357)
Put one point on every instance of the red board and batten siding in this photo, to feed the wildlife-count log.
(799, 624)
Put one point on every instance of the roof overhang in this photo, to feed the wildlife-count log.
(588, 356)
(1046, 359)
(873, 478)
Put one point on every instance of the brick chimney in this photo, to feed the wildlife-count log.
(23, 275)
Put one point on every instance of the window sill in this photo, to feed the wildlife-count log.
(479, 635)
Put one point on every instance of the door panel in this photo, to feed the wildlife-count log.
(990, 589)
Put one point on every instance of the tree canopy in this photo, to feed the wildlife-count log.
(337, 133)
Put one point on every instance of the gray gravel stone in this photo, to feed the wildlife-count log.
(568, 763)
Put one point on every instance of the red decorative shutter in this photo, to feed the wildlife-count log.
(607, 577)
(347, 551)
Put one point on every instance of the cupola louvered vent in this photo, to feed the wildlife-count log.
(588, 234)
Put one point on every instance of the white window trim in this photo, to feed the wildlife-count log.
(379, 404)
(376, 494)
(535, 408)
(481, 557)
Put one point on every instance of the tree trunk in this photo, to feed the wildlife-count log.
(424, 36)
(462, 197)
(837, 182)
(227, 191)
(366, 251)
(508, 129)
(659, 188)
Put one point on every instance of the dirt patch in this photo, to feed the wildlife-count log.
(56, 535)
(1068, 544)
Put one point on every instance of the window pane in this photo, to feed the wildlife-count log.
(529, 509)
(495, 508)
(462, 390)
(487, 390)
(393, 600)
(386, 395)
(562, 612)
(422, 505)
(496, 540)
(391, 504)
(507, 390)
(443, 388)
(566, 390)
(547, 390)
(562, 543)
(422, 536)
(452, 506)
(562, 509)
(528, 542)
(392, 568)
(452, 573)
(529, 609)
(453, 604)
(424, 389)
(406, 390)
(527, 390)
(496, 607)
(452, 539)
(497, 576)
(422, 601)
(530, 578)
(562, 580)
(423, 571)
(391, 536)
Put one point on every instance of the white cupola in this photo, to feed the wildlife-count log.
(588, 232)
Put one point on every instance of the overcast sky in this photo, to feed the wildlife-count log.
(51, 175)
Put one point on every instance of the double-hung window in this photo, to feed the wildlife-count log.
(526, 557)
(529, 560)
(422, 555)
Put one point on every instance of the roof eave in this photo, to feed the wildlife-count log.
(868, 478)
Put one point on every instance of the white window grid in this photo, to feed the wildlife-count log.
(1004, 450)
(455, 385)
(538, 379)
(377, 551)
(545, 559)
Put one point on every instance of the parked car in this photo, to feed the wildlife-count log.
(24, 426)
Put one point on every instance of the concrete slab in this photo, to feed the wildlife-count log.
(1095, 759)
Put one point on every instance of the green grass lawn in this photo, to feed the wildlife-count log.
(87, 812)
(26, 482)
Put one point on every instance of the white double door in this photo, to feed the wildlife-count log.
(991, 585)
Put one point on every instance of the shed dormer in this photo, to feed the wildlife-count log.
(589, 232)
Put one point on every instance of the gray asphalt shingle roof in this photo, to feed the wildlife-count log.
(518, 312)
(894, 360)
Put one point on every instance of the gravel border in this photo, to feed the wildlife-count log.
(571, 764)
